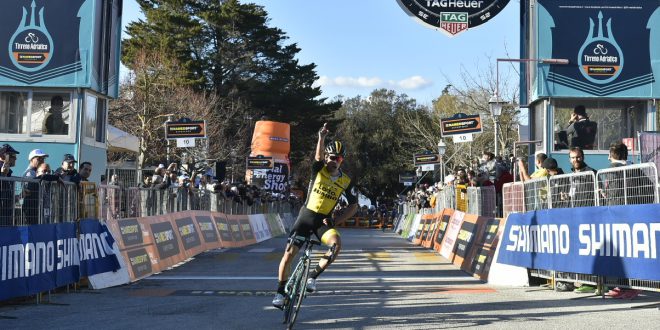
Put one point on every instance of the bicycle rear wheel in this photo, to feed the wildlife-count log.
(300, 294)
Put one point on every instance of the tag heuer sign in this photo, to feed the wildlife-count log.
(426, 158)
(461, 124)
(259, 163)
(452, 16)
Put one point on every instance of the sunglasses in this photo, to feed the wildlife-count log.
(336, 158)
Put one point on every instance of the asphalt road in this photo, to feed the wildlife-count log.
(380, 281)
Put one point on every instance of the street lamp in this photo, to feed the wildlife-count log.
(495, 103)
(442, 148)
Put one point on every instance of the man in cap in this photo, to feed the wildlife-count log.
(7, 161)
(31, 191)
(36, 158)
(68, 171)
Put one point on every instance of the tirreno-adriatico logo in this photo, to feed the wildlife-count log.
(31, 46)
(600, 58)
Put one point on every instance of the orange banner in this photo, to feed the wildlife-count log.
(441, 229)
(270, 138)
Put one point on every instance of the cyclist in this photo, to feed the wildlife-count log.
(327, 184)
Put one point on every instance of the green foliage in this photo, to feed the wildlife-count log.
(227, 47)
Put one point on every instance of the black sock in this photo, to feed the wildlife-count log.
(316, 272)
(280, 287)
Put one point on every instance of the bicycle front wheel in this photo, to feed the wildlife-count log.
(300, 292)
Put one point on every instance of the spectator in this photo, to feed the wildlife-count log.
(539, 172)
(159, 175)
(114, 180)
(53, 122)
(85, 170)
(7, 161)
(31, 192)
(67, 171)
(488, 164)
(581, 132)
(577, 161)
(36, 158)
(146, 182)
(44, 174)
(633, 188)
(483, 180)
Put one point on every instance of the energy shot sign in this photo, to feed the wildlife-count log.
(208, 230)
(188, 233)
(165, 239)
(452, 16)
(277, 179)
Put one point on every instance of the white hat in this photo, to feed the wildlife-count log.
(37, 153)
(161, 165)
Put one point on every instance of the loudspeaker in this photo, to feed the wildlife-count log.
(220, 170)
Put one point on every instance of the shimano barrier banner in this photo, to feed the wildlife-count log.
(38, 258)
(96, 255)
(619, 241)
(612, 48)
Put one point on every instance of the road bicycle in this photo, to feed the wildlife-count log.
(296, 287)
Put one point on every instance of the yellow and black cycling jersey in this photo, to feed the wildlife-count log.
(324, 191)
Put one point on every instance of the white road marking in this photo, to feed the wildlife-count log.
(324, 278)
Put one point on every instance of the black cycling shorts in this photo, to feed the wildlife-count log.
(309, 222)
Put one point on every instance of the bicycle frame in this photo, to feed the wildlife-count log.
(296, 286)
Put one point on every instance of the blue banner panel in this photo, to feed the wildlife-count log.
(37, 258)
(619, 241)
(96, 254)
(612, 48)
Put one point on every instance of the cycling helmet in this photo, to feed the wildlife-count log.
(336, 148)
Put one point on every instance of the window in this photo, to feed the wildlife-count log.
(90, 116)
(50, 114)
(13, 112)
(614, 120)
(34, 113)
(95, 118)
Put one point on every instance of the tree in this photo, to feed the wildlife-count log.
(377, 145)
(228, 48)
(153, 93)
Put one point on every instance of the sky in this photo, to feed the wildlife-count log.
(362, 45)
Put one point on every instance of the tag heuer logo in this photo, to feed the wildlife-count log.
(454, 23)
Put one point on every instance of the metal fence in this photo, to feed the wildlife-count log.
(624, 185)
(32, 201)
(513, 198)
(573, 190)
(481, 201)
(627, 185)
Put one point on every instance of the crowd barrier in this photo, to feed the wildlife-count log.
(467, 240)
(624, 185)
(147, 231)
(155, 243)
(26, 201)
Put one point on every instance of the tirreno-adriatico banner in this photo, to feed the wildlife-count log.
(617, 241)
(60, 44)
(613, 48)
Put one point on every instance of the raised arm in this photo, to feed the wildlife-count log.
(320, 145)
